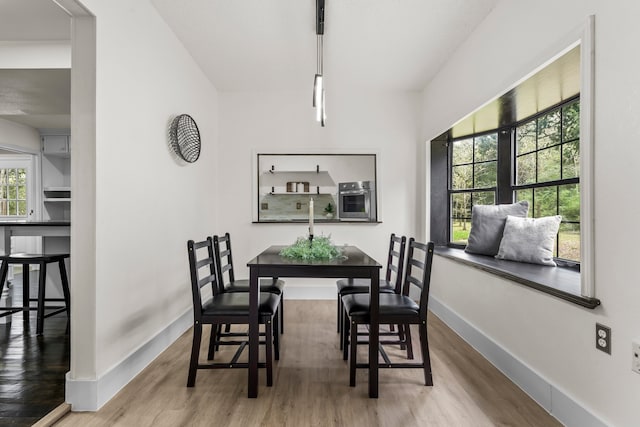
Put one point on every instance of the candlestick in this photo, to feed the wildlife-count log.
(311, 216)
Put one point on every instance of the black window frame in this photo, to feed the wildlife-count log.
(506, 187)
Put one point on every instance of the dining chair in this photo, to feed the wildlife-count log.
(228, 282)
(216, 308)
(395, 309)
(391, 283)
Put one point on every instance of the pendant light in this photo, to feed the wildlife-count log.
(318, 80)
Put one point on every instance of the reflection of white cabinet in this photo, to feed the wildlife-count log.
(56, 177)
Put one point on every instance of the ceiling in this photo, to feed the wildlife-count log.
(261, 45)
(254, 45)
(554, 83)
(39, 98)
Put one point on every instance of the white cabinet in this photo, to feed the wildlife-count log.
(56, 177)
(56, 145)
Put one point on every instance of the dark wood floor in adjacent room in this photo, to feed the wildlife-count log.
(32, 368)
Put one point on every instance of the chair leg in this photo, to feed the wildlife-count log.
(42, 285)
(213, 340)
(341, 322)
(426, 360)
(401, 337)
(276, 336)
(268, 331)
(339, 315)
(65, 286)
(26, 289)
(344, 336)
(281, 310)
(3, 275)
(354, 351)
(195, 351)
(407, 333)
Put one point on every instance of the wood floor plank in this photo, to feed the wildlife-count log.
(311, 387)
(32, 367)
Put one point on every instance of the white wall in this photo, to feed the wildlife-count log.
(553, 337)
(385, 123)
(147, 204)
(19, 137)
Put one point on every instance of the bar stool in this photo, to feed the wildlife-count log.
(42, 260)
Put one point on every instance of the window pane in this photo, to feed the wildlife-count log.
(485, 175)
(11, 178)
(12, 192)
(545, 201)
(462, 151)
(461, 221)
(3, 207)
(461, 205)
(549, 129)
(569, 242)
(3, 192)
(526, 138)
(22, 176)
(569, 205)
(462, 177)
(3, 176)
(486, 147)
(528, 196)
(22, 192)
(12, 207)
(484, 198)
(571, 121)
(549, 164)
(22, 208)
(571, 160)
(526, 169)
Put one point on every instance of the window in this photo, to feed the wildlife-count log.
(547, 170)
(544, 154)
(474, 163)
(13, 192)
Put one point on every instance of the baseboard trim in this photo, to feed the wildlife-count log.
(92, 394)
(558, 404)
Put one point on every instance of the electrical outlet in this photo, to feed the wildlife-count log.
(635, 357)
(603, 338)
(298, 205)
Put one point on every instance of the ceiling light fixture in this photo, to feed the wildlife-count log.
(318, 80)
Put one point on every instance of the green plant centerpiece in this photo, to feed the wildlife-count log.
(320, 248)
(329, 211)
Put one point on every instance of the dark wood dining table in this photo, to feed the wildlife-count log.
(353, 264)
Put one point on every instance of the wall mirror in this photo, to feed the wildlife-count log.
(343, 187)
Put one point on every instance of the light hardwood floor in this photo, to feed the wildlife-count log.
(311, 387)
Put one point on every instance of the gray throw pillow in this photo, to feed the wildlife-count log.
(529, 239)
(487, 224)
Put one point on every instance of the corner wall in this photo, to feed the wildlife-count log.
(134, 298)
(553, 338)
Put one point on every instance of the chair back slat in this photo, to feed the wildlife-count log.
(395, 260)
(202, 271)
(224, 259)
(418, 272)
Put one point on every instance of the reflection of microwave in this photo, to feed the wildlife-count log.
(357, 200)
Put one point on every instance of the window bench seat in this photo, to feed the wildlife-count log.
(561, 282)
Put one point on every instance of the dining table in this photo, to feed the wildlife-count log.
(353, 263)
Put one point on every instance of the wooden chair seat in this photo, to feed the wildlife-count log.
(274, 286)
